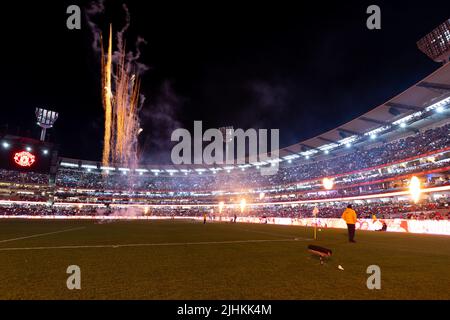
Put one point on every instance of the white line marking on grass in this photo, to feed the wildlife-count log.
(149, 244)
(41, 234)
(272, 234)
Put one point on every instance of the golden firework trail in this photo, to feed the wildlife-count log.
(120, 102)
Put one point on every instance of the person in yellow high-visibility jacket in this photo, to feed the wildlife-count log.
(349, 215)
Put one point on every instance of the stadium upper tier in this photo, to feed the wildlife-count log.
(412, 111)
(430, 148)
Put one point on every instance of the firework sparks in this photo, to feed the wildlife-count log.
(120, 102)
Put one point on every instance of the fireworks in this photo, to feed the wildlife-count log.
(120, 101)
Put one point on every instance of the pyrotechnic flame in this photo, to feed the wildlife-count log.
(415, 189)
(328, 183)
(243, 204)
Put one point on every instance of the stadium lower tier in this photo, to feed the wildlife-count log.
(424, 221)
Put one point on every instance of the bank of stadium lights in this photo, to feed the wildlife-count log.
(124, 170)
(291, 157)
(89, 167)
(244, 166)
(107, 169)
(200, 171)
(155, 171)
(69, 165)
(185, 171)
(228, 168)
(141, 171)
(171, 171)
(444, 103)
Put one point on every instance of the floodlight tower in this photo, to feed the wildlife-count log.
(436, 44)
(45, 120)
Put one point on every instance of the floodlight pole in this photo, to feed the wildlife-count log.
(45, 119)
(43, 132)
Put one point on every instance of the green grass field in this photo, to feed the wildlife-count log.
(189, 260)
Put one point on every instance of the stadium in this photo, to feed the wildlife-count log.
(226, 231)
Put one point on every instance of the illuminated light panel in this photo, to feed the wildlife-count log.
(24, 159)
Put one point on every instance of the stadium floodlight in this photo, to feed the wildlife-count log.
(436, 44)
(348, 144)
(403, 125)
(69, 165)
(45, 151)
(88, 166)
(5, 145)
(327, 151)
(373, 136)
(28, 149)
(45, 119)
(440, 109)
(108, 169)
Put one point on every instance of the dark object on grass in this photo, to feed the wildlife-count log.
(320, 251)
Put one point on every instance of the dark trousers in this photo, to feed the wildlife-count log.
(351, 231)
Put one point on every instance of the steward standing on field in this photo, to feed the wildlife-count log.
(349, 215)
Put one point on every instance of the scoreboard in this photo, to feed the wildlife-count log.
(26, 155)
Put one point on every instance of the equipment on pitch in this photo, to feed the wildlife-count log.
(322, 252)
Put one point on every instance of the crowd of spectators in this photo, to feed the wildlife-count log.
(438, 210)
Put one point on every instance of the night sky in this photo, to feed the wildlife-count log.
(303, 69)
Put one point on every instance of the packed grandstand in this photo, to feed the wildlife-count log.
(369, 160)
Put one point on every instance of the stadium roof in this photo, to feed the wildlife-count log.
(423, 94)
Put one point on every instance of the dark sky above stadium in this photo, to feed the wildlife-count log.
(301, 68)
